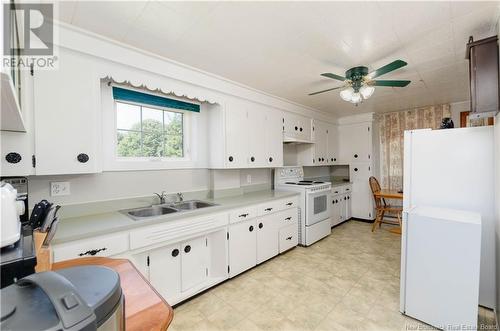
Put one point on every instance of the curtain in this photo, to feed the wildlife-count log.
(392, 126)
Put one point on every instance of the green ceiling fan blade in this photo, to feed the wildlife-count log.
(333, 76)
(391, 83)
(387, 68)
(330, 89)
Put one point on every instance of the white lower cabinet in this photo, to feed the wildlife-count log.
(288, 237)
(194, 268)
(267, 237)
(242, 247)
(165, 271)
(341, 204)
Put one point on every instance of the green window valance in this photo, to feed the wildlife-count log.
(152, 100)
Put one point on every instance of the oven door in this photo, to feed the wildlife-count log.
(317, 206)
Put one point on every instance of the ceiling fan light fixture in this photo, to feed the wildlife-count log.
(356, 98)
(366, 91)
(346, 94)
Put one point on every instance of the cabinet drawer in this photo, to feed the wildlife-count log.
(288, 237)
(242, 214)
(291, 202)
(100, 246)
(347, 189)
(288, 217)
(269, 207)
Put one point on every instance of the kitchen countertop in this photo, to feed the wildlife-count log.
(144, 307)
(88, 226)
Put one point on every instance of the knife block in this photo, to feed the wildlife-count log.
(43, 254)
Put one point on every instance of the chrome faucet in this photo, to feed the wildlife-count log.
(162, 197)
(180, 196)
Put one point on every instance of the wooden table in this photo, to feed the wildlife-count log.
(390, 194)
(145, 309)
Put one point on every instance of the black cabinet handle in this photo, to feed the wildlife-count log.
(355, 156)
(348, 198)
(13, 157)
(300, 130)
(289, 238)
(336, 201)
(270, 159)
(331, 159)
(296, 128)
(231, 159)
(336, 191)
(333, 202)
(252, 159)
(243, 215)
(334, 159)
(289, 203)
(261, 225)
(345, 198)
(82, 157)
(175, 252)
(92, 251)
(187, 249)
(268, 209)
(288, 218)
(347, 189)
(355, 169)
(250, 228)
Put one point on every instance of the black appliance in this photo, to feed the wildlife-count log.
(78, 298)
(18, 260)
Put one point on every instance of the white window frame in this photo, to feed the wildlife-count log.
(113, 162)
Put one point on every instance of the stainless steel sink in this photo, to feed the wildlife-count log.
(192, 204)
(142, 213)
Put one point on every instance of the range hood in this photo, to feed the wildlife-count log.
(12, 119)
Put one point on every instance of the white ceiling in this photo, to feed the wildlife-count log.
(282, 47)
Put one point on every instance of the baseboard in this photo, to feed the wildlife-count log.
(362, 220)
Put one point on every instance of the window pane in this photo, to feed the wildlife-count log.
(173, 146)
(128, 117)
(152, 143)
(128, 143)
(173, 123)
(152, 119)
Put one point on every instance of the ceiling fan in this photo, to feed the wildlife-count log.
(359, 84)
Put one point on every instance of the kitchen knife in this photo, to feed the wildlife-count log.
(49, 218)
(52, 233)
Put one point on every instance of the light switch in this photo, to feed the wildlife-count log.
(59, 188)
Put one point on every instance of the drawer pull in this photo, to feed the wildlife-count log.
(288, 218)
(268, 209)
(289, 203)
(187, 249)
(92, 251)
(336, 191)
(261, 225)
(289, 238)
(250, 228)
(243, 215)
(347, 189)
(175, 252)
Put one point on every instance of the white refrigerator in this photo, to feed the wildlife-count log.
(453, 169)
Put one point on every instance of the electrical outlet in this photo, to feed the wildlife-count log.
(249, 179)
(59, 188)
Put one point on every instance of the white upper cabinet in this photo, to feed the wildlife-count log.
(245, 135)
(66, 112)
(324, 149)
(297, 128)
(355, 142)
(332, 145)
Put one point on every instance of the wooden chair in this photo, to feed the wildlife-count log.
(382, 207)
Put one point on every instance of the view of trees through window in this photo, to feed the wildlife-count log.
(148, 132)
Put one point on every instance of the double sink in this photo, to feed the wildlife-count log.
(142, 213)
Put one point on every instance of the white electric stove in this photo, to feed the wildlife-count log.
(314, 209)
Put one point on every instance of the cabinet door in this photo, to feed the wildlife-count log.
(348, 212)
(355, 142)
(194, 262)
(361, 200)
(140, 261)
(320, 143)
(256, 127)
(274, 138)
(67, 122)
(242, 247)
(165, 271)
(342, 203)
(332, 142)
(335, 210)
(360, 171)
(236, 135)
(290, 124)
(305, 128)
(267, 237)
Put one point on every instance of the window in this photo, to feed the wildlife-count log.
(145, 131)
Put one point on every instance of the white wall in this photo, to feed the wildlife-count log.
(456, 108)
